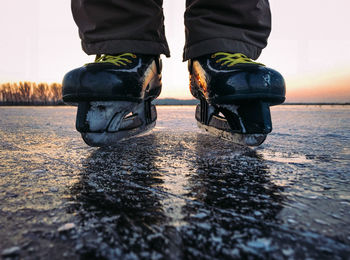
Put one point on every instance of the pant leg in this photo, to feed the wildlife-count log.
(117, 26)
(226, 25)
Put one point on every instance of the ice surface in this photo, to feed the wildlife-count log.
(177, 192)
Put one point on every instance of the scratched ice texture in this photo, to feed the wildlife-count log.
(176, 193)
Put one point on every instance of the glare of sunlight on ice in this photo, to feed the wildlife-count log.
(286, 158)
(174, 183)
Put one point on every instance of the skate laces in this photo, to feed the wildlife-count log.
(118, 60)
(231, 59)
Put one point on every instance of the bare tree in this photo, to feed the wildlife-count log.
(30, 93)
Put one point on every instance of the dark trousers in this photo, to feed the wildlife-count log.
(117, 26)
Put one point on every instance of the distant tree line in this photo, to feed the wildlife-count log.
(175, 102)
(30, 93)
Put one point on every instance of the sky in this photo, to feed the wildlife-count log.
(309, 45)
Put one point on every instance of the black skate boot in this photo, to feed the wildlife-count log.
(235, 94)
(114, 96)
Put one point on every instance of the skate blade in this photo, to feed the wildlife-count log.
(110, 139)
(106, 123)
(242, 139)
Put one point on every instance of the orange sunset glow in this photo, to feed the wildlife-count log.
(333, 86)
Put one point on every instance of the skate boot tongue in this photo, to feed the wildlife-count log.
(232, 59)
(118, 60)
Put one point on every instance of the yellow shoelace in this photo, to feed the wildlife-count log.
(118, 60)
(231, 59)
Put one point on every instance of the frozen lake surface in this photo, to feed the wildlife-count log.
(176, 193)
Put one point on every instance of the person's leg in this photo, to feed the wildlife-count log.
(118, 26)
(235, 26)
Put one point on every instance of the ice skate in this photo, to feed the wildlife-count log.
(235, 96)
(114, 96)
